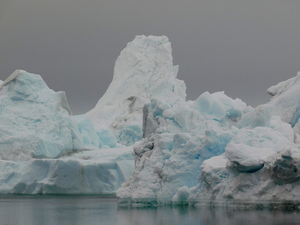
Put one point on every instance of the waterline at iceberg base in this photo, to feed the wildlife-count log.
(145, 143)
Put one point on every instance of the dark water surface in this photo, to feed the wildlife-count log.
(80, 210)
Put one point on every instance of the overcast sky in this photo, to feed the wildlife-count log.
(238, 46)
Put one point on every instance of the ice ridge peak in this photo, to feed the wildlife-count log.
(144, 70)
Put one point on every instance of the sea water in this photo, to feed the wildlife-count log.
(81, 210)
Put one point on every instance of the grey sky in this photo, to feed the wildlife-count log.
(238, 46)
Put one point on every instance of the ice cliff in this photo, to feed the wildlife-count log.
(144, 137)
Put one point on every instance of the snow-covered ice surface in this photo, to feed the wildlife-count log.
(145, 137)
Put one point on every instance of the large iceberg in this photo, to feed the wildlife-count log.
(145, 142)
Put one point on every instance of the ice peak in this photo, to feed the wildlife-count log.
(143, 70)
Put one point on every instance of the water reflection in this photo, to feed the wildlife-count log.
(204, 216)
(57, 210)
(52, 210)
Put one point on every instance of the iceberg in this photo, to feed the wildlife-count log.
(45, 150)
(144, 142)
